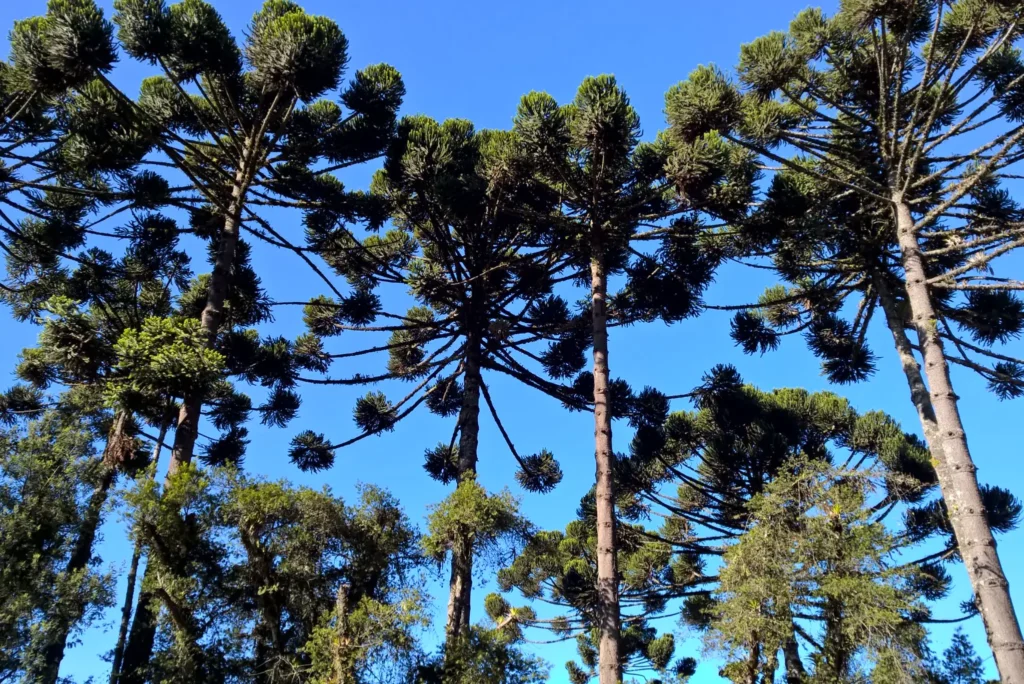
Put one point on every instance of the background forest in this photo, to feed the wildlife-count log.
(347, 267)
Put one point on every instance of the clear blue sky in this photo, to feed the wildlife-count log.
(474, 60)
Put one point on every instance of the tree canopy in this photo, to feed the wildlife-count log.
(250, 241)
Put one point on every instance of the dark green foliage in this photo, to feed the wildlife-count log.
(992, 317)
(48, 471)
(310, 452)
(64, 48)
(446, 398)
(605, 201)
(697, 472)
(280, 407)
(825, 215)
(539, 472)
(752, 334)
(288, 47)
(267, 561)
(1007, 380)
(483, 656)
(779, 515)
(960, 663)
(373, 413)
(228, 449)
(20, 400)
(442, 463)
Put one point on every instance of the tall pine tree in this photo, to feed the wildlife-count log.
(907, 111)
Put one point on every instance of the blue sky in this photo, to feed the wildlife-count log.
(474, 60)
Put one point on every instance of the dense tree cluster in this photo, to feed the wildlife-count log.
(866, 159)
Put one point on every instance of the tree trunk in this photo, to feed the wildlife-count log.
(753, 663)
(126, 615)
(342, 659)
(795, 672)
(78, 562)
(140, 642)
(957, 474)
(213, 315)
(609, 666)
(460, 584)
(896, 321)
(135, 666)
(133, 570)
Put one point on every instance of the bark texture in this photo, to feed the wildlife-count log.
(213, 315)
(956, 472)
(460, 583)
(133, 571)
(343, 673)
(609, 666)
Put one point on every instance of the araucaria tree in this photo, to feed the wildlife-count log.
(244, 125)
(866, 158)
(260, 125)
(613, 192)
(466, 245)
(698, 472)
(898, 122)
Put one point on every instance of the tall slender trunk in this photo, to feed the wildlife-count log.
(133, 570)
(795, 672)
(343, 666)
(896, 321)
(609, 665)
(139, 649)
(753, 662)
(460, 583)
(213, 313)
(81, 554)
(957, 474)
(140, 642)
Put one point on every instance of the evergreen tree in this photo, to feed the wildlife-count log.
(960, 663)
(247, 135)
(48, 474)
(98, 302)
(281, 583)
(699, 471)
(483, 656)
(878, 102)
(814, 553)
(467, 247)
(70, 159)
(611, 187)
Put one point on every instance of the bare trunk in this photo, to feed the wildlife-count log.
(81, 554)
(609, 666)
(753, 663)
(139, 649)
(126, 615)
(957, 474)
(795, 672)
(185, 434)
(133, 570)
(342, 661)
(460, 584)
(896, 321)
